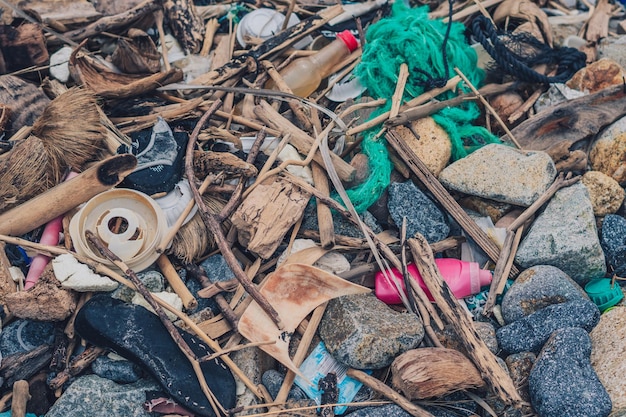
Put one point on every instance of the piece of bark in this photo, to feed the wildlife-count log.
(23, 47)
(25, 100)
(138, 54)
(206, 162)
(433, 372)
(76, 366)
(566, 125)
(113, 23)
(493, 374)
(66, 195)
(324, 215)
(24, 365)
(300, 140)
(46, 301)
(597, 27)
(108, 84)
(61, 12)
(266, 215)
(187, 26)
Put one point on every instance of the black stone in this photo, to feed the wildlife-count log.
(138, 335)
(531, 332)
(562, 383)
(422, 215)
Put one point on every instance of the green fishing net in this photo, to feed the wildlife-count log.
(409, 36)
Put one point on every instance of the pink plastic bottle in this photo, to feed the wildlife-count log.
(463, 278)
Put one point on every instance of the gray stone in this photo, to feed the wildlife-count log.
(531, 332)
(362, 332)
(422, 215)
(501, 173)
(273, 380)
(94, 396)
(565, 236)
(152, 279)
(608, 340)
(538, 287)
(563, 383)
(387, 410)
(117, 370)
(25, 335)
(613, 241)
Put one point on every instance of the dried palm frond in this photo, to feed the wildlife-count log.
(71, 130)
(193, 240)
(25, 173)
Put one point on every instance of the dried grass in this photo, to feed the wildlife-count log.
(194, 240)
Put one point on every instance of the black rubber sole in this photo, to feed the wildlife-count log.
(138, 335)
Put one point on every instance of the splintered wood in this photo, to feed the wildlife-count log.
(270, 210)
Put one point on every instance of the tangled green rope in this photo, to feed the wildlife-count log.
(409, 36)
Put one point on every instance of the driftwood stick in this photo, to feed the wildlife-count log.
(495, 376)
(21, 396)
(177, 284)
(212, 223)
(324, 215)
(510, 247)
(111, 23)
(441, 194)
(421, 99)
(65, 196)
(76, 366)
(171, 329)
(420, 112)
(388, 392)
(200, 275)
(396, 99)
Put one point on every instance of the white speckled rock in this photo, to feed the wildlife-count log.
(565, 236)
(608, 341)
(501, 173)
(169, 297)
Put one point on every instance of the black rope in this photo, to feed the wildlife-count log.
(431, 82)
(569, 60)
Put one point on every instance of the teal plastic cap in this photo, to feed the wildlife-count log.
(601, 293)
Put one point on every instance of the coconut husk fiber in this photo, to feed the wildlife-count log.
(68, 135)
(193, 240)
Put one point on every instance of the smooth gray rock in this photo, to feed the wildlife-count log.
(613, 241)
(565, 236)
(531, 332)
(362, 332)
(562, 383)
(94, 396)
(538, 287)
(120, 371)
(152, 279)
(422, 215)
(25, 335)
(453, 405)
(501, 173)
